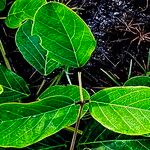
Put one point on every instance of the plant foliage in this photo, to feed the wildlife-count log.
(22, 10)
(50, 35)
(124, 110)
(24, 124)
(15, 88)
(32, 51)
(63, 34)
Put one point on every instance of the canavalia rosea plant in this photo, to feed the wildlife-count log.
(50, 35)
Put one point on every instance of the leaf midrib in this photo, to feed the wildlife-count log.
(37, 115)
(67, 34)
(122, 106)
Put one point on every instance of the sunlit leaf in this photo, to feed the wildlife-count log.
(32, 51)
(138, 81)
(15, 88)
(64, 34)
(22, 10)
(124, 110)
(24, 124)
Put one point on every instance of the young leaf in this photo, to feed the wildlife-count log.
(138, 81)
(2, 4)
(15, 88)
(32, 51)
(24, 124)
(22, 10)
(64, 34)
(124, 110)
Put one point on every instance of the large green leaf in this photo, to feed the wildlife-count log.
(15, 88)
(138, 81)
(96, 137)
(22, 10)
(2, 4)
(64, 34)
(32, 51)
(24, 124)
(123, 109)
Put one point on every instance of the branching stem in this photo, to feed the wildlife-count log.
(79, 113)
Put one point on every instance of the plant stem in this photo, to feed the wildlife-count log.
(79, 113)
(115, 81)
(72, 129)
(130, 69)
(80, 86)
(148, 60)
(4, 56)
(57, 79)
(67, 75)
(41, 86)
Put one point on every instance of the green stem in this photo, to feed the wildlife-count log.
(79, 113)
(110, 77)
(67, 75)
(41, 86)
(71, 129)
(4, 56)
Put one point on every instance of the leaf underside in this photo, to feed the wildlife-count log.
(124, 110)
(15, 88)
(32, 51)
(64, 34)
(24, 124)
(22, 10)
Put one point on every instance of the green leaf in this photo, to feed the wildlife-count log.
(64, 34)
(135, 144)
(138, 81)
(15, 88)
(32, 51)
(124, 110)
(24, 124)
(70, 91)
(22, 10)
(2, 4)
(96, 137)
(1, 89)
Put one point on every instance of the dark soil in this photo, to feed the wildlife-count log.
(118, 26)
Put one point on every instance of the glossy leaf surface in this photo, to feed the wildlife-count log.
(64, 34)
(22, 10)
(124, 110)
(2, 4)
(138, 81)
(24, 124)
(15, 88)
(32, 51)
